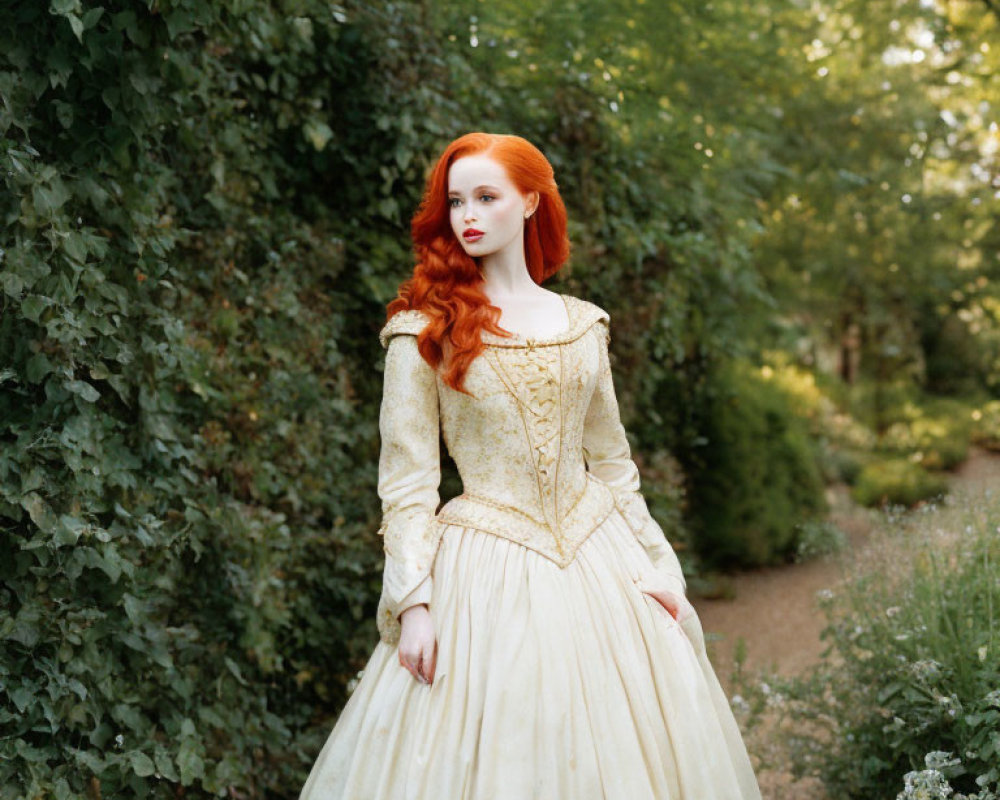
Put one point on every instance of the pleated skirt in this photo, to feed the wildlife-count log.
(551, 684)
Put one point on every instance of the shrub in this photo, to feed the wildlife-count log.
(896, 481)
(878, 405)
(986, 425)
(757, 476)
(817, 538)
(933, 431)
(840, 463)
(933, 782)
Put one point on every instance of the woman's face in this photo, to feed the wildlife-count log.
(487, 210)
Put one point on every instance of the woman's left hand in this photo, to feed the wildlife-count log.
(680, 608)
(677, 605)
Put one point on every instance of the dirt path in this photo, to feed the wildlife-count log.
(774, 611)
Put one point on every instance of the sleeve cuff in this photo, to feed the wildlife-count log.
(422, 594)
(410, 542)
(661, 579)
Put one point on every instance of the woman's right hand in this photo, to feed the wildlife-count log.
(417, 645)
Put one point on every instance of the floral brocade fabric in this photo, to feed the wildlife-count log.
(539, 446)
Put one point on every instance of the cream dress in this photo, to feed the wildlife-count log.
(558, 676)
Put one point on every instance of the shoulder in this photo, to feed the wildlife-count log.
(411, 322)
(590, 316)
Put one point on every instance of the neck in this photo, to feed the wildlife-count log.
(506, 273)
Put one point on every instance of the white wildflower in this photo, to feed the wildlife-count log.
(927, 784)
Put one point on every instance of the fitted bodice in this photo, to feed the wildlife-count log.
(518, 443)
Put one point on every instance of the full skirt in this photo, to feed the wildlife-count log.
(551, 684)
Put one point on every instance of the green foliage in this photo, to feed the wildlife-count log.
(934, 432)
(986, 425)
(187, 557)
(757, 476)
(879, 251)
(922, 434)
(817, 538)
(842, 464)
(896, 481)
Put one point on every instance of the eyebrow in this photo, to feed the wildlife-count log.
(482, 186)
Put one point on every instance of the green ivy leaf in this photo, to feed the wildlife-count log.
(91, 17)
(142, 764)
(133, 607)
(33, 305)
(49, 198)
(165, 765)
(191, 766)
(39, 511)
(21, 697)
(77, 25)
(37, 367)
(83, 390)
(69, 530)
(318, 133)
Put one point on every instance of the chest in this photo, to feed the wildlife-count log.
(541, 381)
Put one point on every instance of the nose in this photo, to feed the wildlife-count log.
(469, 215)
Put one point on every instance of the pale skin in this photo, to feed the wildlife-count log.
(482, 197)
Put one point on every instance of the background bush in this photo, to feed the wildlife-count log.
(896, 481)
(757, 476)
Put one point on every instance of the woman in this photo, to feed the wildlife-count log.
(535, 639)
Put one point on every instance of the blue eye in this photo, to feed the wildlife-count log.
(486, 196)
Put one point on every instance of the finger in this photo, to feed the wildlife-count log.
(666, 603)
(433, 663)
(421, 663)
(407, 663)
(427, 664)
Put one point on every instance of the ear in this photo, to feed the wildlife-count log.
(531, 203)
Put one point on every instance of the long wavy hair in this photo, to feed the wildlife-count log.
(447, 283)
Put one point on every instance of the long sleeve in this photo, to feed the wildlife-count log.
(409, 474)
(609, 458)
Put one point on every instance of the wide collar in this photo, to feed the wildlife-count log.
(582, 315)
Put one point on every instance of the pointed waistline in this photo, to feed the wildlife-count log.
(508, 522)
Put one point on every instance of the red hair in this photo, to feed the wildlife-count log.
(446, 283)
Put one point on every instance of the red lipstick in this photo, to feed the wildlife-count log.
(472, 235)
